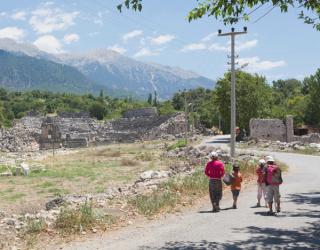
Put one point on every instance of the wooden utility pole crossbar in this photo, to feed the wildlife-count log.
(233, 34)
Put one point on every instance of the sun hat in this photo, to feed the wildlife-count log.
(236, 165)
(262, 161)
(213, 154)
(269, 159)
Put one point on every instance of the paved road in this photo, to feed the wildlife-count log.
(297, 227)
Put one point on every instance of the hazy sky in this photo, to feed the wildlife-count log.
(277, 46)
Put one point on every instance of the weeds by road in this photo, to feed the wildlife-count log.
(89, 170)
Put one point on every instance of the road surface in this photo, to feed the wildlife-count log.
(296, 227)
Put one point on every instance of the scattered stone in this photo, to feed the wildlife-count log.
(8, 173)
(54, 203)
(25, 168)
(10, 221)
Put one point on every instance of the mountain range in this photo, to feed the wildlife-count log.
(24, 67)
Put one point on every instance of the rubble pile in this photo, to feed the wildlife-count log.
(23, 136)
(283, 146)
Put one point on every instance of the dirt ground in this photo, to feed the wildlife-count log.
(81, 171)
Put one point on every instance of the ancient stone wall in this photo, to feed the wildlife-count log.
(82, 114)
(278, 130)
(144, 112)
(269, 129)
(34, 133)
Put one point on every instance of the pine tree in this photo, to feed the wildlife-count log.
(150, 99)
(155, 101)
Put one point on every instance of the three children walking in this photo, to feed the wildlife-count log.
(268, 180)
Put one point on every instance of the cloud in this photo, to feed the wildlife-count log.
(98, 19)
(194, 46)
(70, 38)
(48, 3)
(47, 20)
(209, 37)
(239, 46)
(132, 34)
(143, 52)
(117, 48)
(20, 15)
(162, 39)
(49, 44)
(246, 45)
(13, 33)
(255, 64)
(218, 47)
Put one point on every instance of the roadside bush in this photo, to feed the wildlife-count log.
(35, 226)
(154, 203)
(76, 220)
(179, 144)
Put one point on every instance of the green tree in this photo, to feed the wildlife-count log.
(155, 100)
(231, 12)
(101, 95)
(2, 115)
(288, 99)
(201, 105)
(178, 101)
(150, 99)
(253, 98)
(312, 85)
(285, 89)
(98, 110)
(166, 108)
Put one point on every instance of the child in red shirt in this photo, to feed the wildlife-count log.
(236, 183)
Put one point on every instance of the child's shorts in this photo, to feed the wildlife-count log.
(235, 193)
(273, 193)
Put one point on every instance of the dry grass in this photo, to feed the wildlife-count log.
(89, 170)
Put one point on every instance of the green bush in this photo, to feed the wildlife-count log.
(179, 144)
(76, 220)
(35, 226)
(152, 204)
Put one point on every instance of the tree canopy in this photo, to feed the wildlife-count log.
(231, 12)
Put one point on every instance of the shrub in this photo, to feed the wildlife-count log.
(35, 226)
(179, 144)
(153, 203)
(128, 162)
(76, 220)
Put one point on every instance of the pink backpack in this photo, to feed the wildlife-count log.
(274, 175)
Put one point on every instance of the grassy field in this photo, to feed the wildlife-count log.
(89, 170)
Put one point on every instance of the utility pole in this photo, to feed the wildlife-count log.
(186, 115)
(233, 34)
(53, 136)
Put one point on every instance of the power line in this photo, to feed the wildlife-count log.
(251, 12)
(255, 9)
(268, 12)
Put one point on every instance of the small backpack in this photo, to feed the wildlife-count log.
(228, 179)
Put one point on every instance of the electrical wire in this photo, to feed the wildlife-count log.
(268, 12)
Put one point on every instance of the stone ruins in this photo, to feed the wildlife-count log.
(278, 130)
(74, 130)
